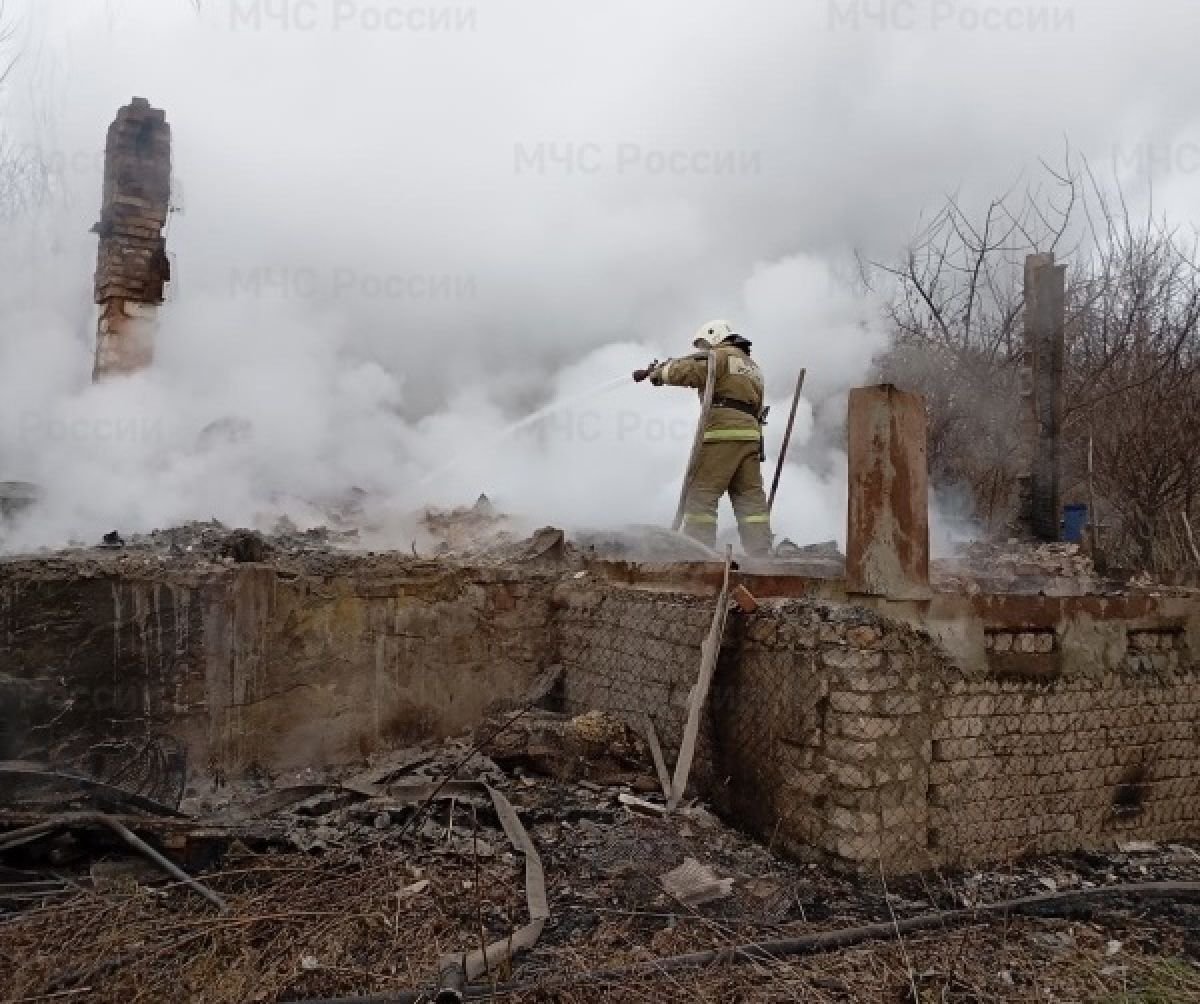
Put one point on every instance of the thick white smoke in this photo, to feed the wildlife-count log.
(403, 233)
(249, 413)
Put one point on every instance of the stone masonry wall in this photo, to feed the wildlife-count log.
(1021, 767)
(633, 652)
(815, 734)
(874, 756)
(835, 732)
(823, 733)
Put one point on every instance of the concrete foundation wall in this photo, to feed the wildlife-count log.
(87, 658)
(257, 669)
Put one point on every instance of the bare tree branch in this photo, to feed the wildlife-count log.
(1132, 346)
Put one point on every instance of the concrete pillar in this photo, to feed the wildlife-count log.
(1042, 395)
(132, 266)
(887, 540)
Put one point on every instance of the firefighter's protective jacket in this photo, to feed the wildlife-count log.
(738, 379)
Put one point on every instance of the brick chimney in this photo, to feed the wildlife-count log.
(132, 266)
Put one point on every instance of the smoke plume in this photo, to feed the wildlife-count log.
(402, 230)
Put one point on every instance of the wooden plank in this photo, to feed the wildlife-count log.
(656, 753)
(1187, 525)
(708, 665)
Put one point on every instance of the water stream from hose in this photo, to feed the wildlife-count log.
(532, 419)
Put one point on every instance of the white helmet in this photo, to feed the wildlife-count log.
(713, 333)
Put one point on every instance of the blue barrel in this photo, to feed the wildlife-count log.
(1075, 518)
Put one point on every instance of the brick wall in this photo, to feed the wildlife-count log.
(131, 264)
(815, 734)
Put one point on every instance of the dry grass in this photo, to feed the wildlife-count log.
(164, 944)
(378, 915)
(986, 963)
(150, 944)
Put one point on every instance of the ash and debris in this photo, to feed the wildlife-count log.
(1015, 566)
(339, 883)
(479, 534)
(1018, 566)
(482, 534)
(467, 528)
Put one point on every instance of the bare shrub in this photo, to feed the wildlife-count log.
(1132, 363)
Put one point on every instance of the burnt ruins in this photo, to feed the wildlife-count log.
(520, 764)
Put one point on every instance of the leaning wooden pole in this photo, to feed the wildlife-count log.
(787, 438)
(709, 652)
(689, 473)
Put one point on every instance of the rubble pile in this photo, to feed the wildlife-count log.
(547, 545)
(1015, 567)
(595, 746)
(466, 529)
(206, 542)
(211, 539)
(644, 543)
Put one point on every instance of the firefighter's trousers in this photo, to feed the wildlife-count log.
(733, 467)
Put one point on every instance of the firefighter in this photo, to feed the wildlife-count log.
(731, 455)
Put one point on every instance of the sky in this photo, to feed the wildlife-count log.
(402, 228)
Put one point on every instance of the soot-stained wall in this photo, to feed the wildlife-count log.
(254, 667)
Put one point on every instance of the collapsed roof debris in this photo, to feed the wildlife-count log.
(1053, 569)
(466, 528)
